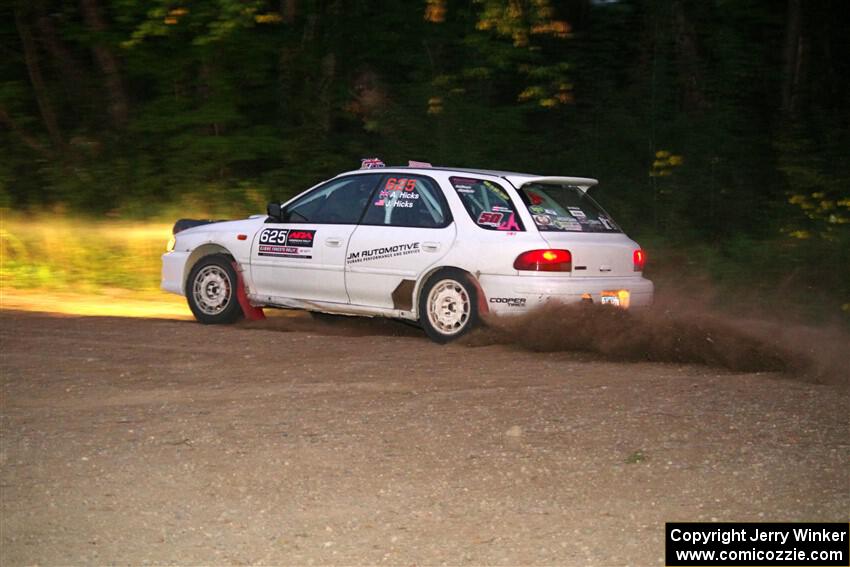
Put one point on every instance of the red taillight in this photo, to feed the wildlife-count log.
(545, 261)
(639, 259)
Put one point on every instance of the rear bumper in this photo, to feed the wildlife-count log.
(515, 294)
(173, 265)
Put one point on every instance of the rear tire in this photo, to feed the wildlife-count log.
(211, 291)
(448, 306)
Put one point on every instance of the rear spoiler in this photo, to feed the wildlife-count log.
(183, 224)
(583, 183)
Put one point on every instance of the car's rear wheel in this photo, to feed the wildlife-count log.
(211, 291)
(448, 306)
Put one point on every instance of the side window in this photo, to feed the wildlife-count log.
(340, 201)
(487, 203)
(407, 200)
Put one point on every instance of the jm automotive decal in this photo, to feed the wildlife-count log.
(383, 252)
(286, 243)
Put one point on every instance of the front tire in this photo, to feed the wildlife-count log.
(211, 291)
(448, 306)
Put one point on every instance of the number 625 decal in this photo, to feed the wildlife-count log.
(273, 236)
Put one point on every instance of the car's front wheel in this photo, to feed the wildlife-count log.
(448, 306)
(211, 291)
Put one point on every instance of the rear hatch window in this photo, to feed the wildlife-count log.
(565, 208)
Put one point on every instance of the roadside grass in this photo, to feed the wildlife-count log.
(81, 256)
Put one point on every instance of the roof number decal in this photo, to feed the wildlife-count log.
(371, 163)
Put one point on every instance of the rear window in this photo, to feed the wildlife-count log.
(487, 203)
(565, 208)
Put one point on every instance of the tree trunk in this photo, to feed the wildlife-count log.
(64, 61)
(288, 10)
(108, 63)
(48, 116)
(687, 57)
(793, 59)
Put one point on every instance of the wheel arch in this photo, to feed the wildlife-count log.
(202, 251)
(473, 279)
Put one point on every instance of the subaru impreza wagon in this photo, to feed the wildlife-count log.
(435, 245)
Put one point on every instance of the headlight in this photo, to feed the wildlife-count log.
(171, 242)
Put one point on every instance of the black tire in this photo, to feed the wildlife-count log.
(448, 305)
(211, 291)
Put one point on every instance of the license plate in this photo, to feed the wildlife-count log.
(617, 298)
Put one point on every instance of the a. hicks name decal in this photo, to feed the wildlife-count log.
(286, 243)
(383, 252)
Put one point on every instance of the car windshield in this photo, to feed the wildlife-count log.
(565, 208)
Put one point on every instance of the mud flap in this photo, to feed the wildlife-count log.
(483, 307)
(251, 313)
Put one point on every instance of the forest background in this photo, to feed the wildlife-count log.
(719, 129)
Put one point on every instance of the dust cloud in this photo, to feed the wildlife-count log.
(673, 332)
(663, 334)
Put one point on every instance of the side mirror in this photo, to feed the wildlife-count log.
(274, 212)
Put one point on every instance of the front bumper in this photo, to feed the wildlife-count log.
(173, 266)
(516, 294)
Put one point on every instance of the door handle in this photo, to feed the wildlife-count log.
(430, 246)
(335, 242)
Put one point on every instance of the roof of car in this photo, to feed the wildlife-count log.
(516, 178)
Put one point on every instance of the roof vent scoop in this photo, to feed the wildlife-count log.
(411, 163)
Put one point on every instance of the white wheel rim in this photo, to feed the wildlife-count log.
(449, 307)
(212, 289)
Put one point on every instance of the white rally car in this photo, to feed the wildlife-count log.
(441, 246)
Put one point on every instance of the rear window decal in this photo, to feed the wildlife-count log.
(576, 212)
(606, 222)
(490, 218)
(567, 223)
(511, 224)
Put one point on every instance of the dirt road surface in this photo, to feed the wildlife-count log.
(133, 441)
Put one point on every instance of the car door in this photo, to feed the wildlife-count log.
(406, 229)
(303, 257)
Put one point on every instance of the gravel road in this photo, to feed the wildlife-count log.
(133, 441)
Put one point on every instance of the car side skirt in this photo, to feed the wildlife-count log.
(329, 307)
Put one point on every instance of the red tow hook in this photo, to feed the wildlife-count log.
(251, 313)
